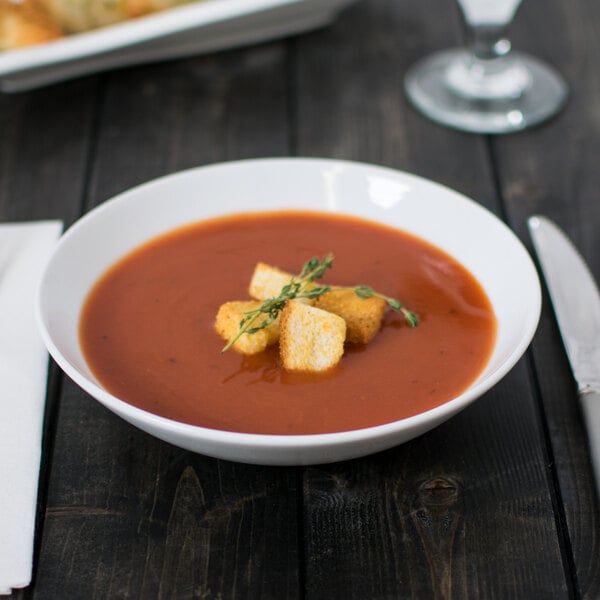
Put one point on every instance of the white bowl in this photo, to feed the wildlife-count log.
(450, 221)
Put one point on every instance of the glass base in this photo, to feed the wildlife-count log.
(431, 86)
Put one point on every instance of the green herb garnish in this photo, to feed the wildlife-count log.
(301, 286)
(364, 291)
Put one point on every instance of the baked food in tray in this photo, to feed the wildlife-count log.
(30, 22)
(196, 27)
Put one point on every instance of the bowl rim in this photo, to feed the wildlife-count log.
(290, 441)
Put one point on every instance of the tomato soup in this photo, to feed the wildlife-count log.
(147, 327)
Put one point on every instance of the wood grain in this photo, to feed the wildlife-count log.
(128, 516)
(410, 534)
(131, 517)
(553, 170)
(44, 151)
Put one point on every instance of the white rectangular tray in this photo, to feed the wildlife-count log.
(197, 28)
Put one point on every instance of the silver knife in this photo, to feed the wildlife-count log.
(576, 303)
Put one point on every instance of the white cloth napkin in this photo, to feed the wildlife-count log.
(24, 251)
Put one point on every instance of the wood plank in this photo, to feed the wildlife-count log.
(466, 510)
(128, 515)
(553, 170)
(434, 518)
(183, 114)
(44, 152)
(46, 142)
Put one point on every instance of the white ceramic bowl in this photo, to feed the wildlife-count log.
(452, 222)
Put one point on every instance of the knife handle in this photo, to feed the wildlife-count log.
(590, 405)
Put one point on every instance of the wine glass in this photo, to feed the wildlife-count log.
(486, 88)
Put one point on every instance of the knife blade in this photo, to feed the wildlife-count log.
(576, 302)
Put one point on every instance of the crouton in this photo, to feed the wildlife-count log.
(311, 339)
(267, 282)
(363, 316)
(227, 325)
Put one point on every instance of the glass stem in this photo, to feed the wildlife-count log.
(487, 71)
(489, 41)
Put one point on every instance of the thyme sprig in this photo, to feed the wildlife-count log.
(365, 291)
(298, 287)
(301, 286)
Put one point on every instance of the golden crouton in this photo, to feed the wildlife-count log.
(227, 325)
(363, 316)
(311, 339)
(267, 282)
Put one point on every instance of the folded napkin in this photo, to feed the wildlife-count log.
(24, 251)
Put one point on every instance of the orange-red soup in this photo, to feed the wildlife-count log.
(147, 327)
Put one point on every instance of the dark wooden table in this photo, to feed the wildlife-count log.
(499, 502)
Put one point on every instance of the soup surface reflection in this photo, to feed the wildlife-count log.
(147, 327)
